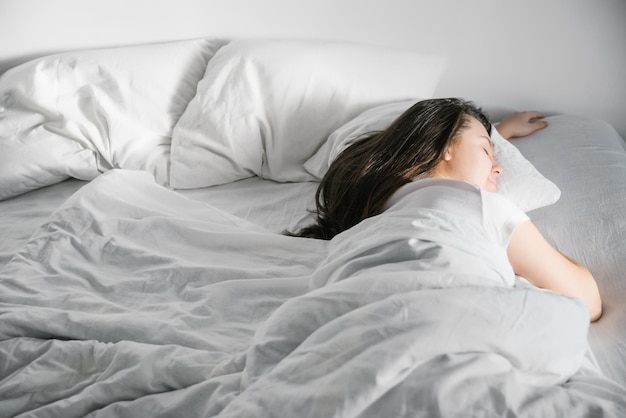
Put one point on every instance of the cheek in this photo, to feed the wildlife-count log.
(480, 170)
(486, 163)
(479, 166)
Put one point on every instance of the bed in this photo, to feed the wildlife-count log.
(143, 269)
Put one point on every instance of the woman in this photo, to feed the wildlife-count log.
(442, 139)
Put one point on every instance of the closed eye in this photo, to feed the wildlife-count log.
(489, 149)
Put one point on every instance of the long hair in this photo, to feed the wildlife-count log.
(363, 177)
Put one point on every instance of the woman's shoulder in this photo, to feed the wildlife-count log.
(501, 216)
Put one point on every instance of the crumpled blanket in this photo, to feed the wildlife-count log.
(134, 301)
(409, 317)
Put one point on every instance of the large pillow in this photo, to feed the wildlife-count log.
(264, 106)
(520, 180)
(82, 113)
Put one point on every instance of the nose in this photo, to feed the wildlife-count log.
(496, 168)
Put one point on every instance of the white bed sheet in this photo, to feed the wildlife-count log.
(158, 305)
(588, 223)
(585, 157)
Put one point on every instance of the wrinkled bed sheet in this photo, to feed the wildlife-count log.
(135, 301)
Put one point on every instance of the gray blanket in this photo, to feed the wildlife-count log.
(135, 301)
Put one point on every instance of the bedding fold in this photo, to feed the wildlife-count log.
(405, 320)
(130, 291)
(135, 301)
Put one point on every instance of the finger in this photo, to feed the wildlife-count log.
(534, 117)
(536, 126)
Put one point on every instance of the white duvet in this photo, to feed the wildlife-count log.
(135, 301)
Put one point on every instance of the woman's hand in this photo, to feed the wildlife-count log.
(521, 124)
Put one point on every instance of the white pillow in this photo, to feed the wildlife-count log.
(265, 106)
(81, 113)
(520, 181)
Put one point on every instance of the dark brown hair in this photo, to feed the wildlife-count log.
(364, 176)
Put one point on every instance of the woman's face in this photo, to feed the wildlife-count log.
(470, 158)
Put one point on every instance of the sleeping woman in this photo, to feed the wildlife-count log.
(438, 156)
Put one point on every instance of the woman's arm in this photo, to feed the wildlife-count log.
(533, 258)
(521, 124)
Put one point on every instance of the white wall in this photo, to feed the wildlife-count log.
(557, 56)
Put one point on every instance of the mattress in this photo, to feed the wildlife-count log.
(153, 278)
(588, 222)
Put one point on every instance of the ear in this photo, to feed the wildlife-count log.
(447, 156)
